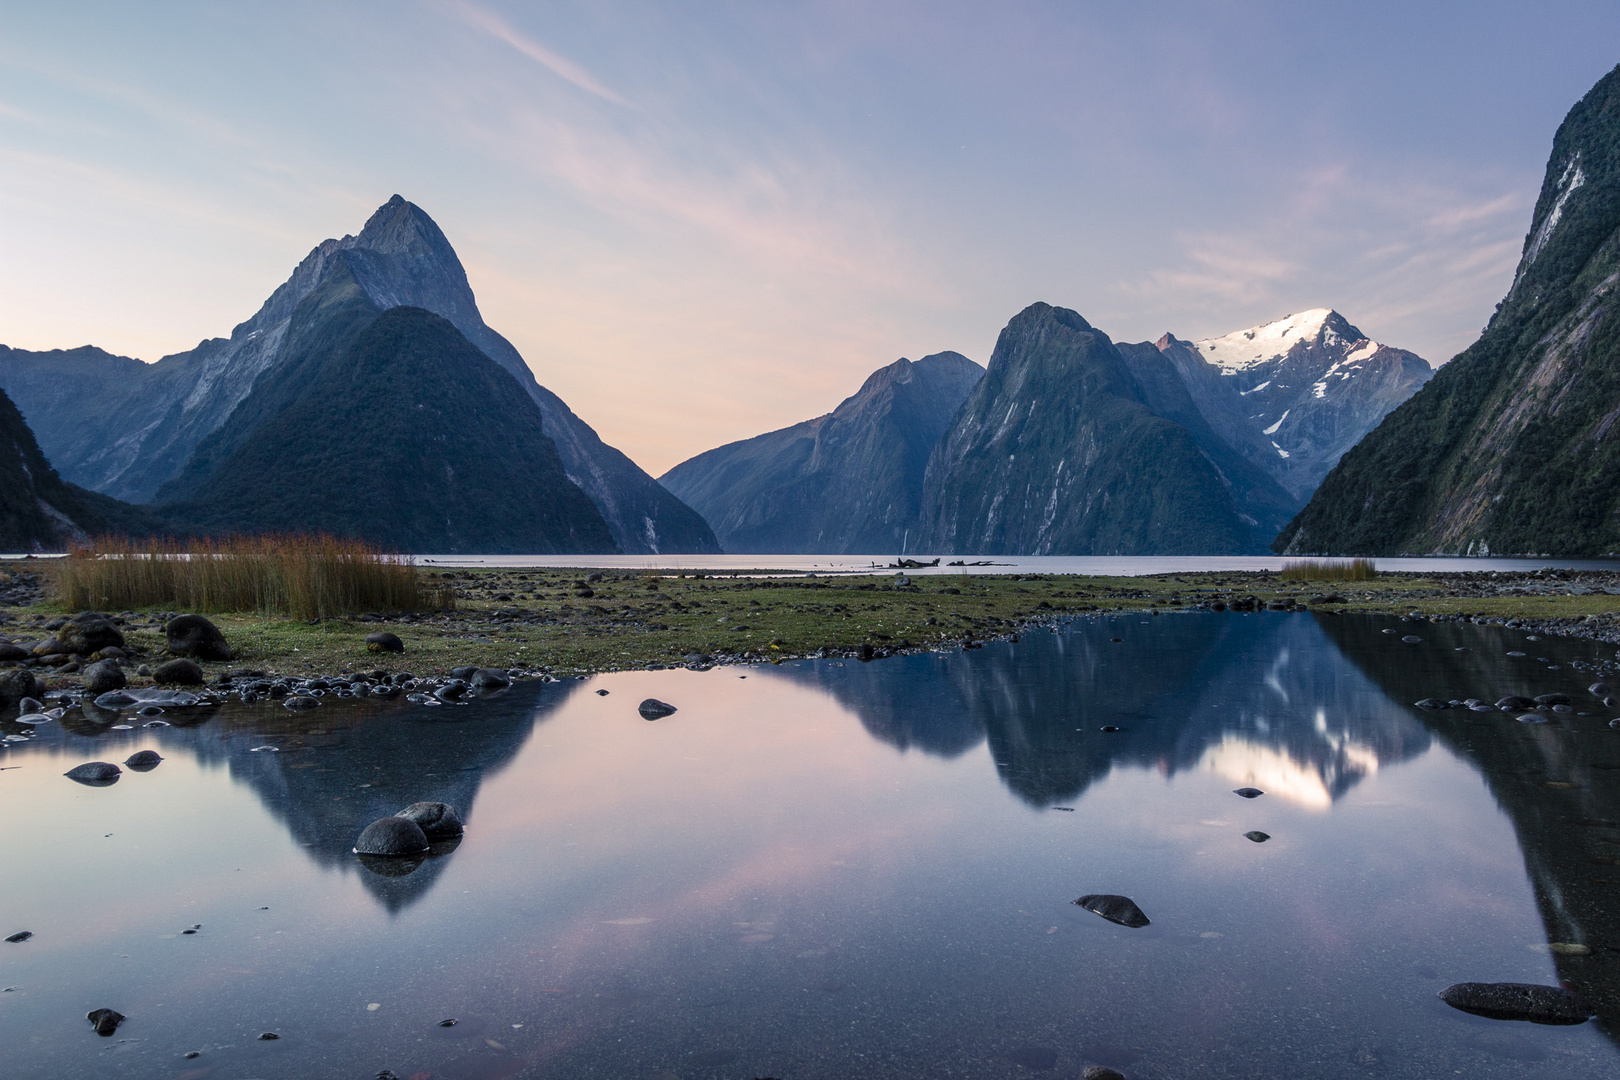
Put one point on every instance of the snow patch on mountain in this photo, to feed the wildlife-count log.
(1244, 349)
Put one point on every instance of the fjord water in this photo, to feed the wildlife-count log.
(833, 869)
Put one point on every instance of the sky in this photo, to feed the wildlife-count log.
(700, 221)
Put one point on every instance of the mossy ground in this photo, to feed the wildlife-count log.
(541, 619)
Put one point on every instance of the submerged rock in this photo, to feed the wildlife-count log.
(1116, 909)
(435, 819)
(1248, 792)
(391, 836)
(490, 679)
(196, 637)
(106, 1020)
(1257, 836)
(94, 772)
(1518, 1001)
(179, 673)
(653, 709)
(143, 760)
(302, 701)
(1533, 718)
(382, 641)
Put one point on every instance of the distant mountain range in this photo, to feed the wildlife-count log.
(159, 432)
(848, 481)
(1071, 444)
(1513, 447)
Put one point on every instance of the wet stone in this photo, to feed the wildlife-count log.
(95, 773)
(391, 836)
(106, 1021)
(435, 819)
(179, 673)
(143, 760)
(1114, 908)
(1248, 792)
(653, 709)
(1257, 836)
(1432, 703)
(1101, 1072)
(23, 935)
(1518, 1001)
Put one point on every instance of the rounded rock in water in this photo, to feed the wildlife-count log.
(435, 819)
(1114, 908)
(653, 709)
(391, 836)
(143, 760)
(94, 773)
(1518, 1001)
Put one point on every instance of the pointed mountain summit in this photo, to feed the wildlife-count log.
(847, 482)
(163, 412)
(1513, 446)
(1295, 394)
(1065, 448)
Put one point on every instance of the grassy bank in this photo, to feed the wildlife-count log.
(559, 621)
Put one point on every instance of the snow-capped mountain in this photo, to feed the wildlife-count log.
(1295, 394)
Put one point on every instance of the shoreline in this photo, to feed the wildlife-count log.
(580, 621)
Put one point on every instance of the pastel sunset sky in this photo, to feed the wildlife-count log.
(699, 221)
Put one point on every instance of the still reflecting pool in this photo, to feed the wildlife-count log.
(831, 869)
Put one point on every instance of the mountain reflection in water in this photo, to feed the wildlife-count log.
(1262, 701)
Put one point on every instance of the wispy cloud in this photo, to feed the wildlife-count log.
(561, 66)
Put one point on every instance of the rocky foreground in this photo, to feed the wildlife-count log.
(570, 622)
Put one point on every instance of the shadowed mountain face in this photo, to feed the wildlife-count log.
(38, 511)
(1513, 446)
(391, 426)
(1263, 701)
(126, 429)
(1558, 782)
(849, 482)
(1058, 451)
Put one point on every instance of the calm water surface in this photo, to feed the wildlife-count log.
(834, 870)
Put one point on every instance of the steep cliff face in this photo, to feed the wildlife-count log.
(848, 482)
(1512, 446)
(156, 416)
(41, 512)
(389, 426)
(1293, 395)
(1058, 450)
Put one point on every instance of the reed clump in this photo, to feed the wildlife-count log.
(1330, 570)
(307, 577)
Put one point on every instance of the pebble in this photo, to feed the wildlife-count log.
(1109, 727)
(1248, 792)
(1114, 908)
(1101, 1072)
(20, 936)
(653, 709)
(1411, 639)
(143, 760)
(1532, 718)
(1257, 836)
(268, 1036)
(391, 836)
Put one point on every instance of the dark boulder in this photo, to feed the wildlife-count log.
(19, 683)
(382, 641)
(196, 637)
(1116, 909)
(94, 773)
(105, 1020)
(89, 632)
(391, 836)
(179, 673)
(653, 709)
(1101, 1072)
(436, 819)
(302, 701)
(1257, 836)
(1518, 1001)
(143, 760)
(465, 674)
(490, 679)
(10, 653)
(104, 676)
(1552, 699)
(1248, 792)
(1515, 703)
(1597, 689)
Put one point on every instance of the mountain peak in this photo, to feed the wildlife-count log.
(1243, 349)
